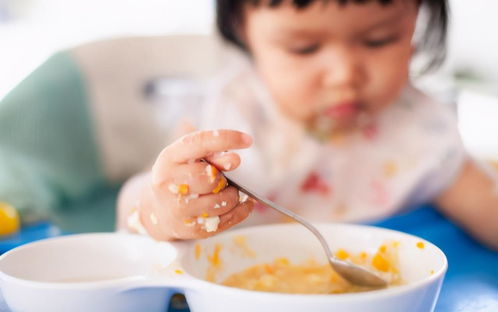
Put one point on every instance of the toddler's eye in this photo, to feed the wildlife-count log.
(377, 43)
(305, 50)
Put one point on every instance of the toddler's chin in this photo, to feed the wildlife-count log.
(325, 129)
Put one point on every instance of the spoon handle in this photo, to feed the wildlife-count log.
(286, 212)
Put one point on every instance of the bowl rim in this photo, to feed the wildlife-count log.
(379, 293)
(91, 285)
(195, 283)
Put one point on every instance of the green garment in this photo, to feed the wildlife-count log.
(49, 156)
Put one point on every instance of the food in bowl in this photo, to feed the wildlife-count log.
(312, 277)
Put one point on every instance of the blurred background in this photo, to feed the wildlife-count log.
(32, 30)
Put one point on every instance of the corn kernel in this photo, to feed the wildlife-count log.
(421, 245)
(183, 189)
(380, 263)
(211, 172)
(282, 261)
(221, 185)
(342, 254)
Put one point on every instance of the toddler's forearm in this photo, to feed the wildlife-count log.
(472, 202)
(128, 200)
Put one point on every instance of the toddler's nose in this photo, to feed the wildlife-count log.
(341, 69)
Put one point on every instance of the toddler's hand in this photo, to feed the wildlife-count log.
(188, 197)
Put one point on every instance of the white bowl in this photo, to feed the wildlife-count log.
(120, 272)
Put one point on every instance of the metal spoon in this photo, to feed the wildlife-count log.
(353, 273)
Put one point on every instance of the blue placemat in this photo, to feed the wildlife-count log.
(471, 283)
(29, 234)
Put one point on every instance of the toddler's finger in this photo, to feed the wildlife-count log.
(207, 205)
(235, 216)
(203, 229)
(201, 144)
(225, 161)
(193, 180)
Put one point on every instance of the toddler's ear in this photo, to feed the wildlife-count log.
(185, 126)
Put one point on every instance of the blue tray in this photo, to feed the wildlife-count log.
(29, 234)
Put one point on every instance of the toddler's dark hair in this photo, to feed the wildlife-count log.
(229, 17)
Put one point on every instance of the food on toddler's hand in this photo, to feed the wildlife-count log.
(211, 224)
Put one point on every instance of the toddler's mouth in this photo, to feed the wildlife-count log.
(343, 111)
(340, 117)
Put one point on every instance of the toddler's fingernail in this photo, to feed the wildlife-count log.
(247, 139)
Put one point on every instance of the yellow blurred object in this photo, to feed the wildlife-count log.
(9, 219)
(183, 189)
(342, 254)
(390, 169)
(494, 164)
(380, 263)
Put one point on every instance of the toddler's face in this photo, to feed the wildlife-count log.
(327, 65)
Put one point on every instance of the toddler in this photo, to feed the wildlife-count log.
(317, 112)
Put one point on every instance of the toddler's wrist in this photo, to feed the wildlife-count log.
(149, 218)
